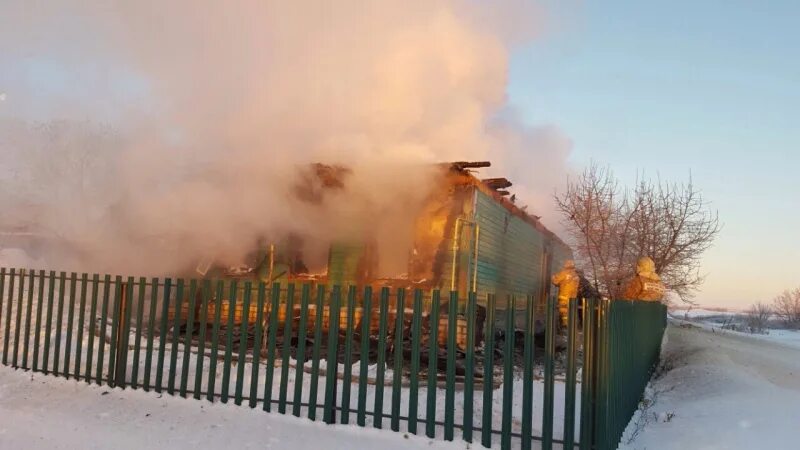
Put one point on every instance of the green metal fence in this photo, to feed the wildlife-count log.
(342, 355)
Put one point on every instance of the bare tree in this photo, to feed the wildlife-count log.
(787, 307)
(757, 317)
(612, 226)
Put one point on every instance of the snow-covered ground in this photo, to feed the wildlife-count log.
(720, 391)
(718, 324)
(45, 412)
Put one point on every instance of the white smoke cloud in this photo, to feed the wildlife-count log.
(187, 120)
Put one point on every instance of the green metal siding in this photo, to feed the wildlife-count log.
(343, 263)
(509, 252)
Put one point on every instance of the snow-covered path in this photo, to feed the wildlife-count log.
(45, 412)
(724, 391)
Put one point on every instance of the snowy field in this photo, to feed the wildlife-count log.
(720, 391)
(719, 322)
(45, 412)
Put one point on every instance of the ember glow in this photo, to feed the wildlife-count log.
(162, 133)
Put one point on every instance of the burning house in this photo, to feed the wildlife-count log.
(469, 237)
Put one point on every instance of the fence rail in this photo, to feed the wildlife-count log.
(417, 362)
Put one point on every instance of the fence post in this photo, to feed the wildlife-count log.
(433, 362)
(331, 373)
(488, 374)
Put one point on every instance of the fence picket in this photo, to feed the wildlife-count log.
(347, 379)
(212, 365)
(18, 320)
(273, 336)
(397, 351)
(226, 369)
(469, 368)
(81, 325)
(38, 325)
(92, 328)
(527, 374)
(449, 393)
(570, 379)
(549, 376)
(201, 339)
(257, 344)
(70, 323)
(162, 337)
(413, 390)
(9, 307)
(488, 373)
(331, 373)
(137, 344)
(383, 311)
(314, 388)
(302, 335)
(366, 307)
(286, 349)
(148, 354)
(242, 353)
(176, 333)
(59, 322)
(28, 318)
(433, 360)
(508, 372)
(187, 340)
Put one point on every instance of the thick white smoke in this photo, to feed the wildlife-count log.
(186, 122)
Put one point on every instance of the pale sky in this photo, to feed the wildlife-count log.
(671, 88)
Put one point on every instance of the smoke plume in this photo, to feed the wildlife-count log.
(150, 134)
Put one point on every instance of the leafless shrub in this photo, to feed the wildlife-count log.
(612, 227)
(757, 317)
(786, 306)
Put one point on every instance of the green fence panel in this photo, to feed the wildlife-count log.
(8, 305)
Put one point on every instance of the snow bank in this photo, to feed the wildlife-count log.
(723, 392)
(43, 412)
